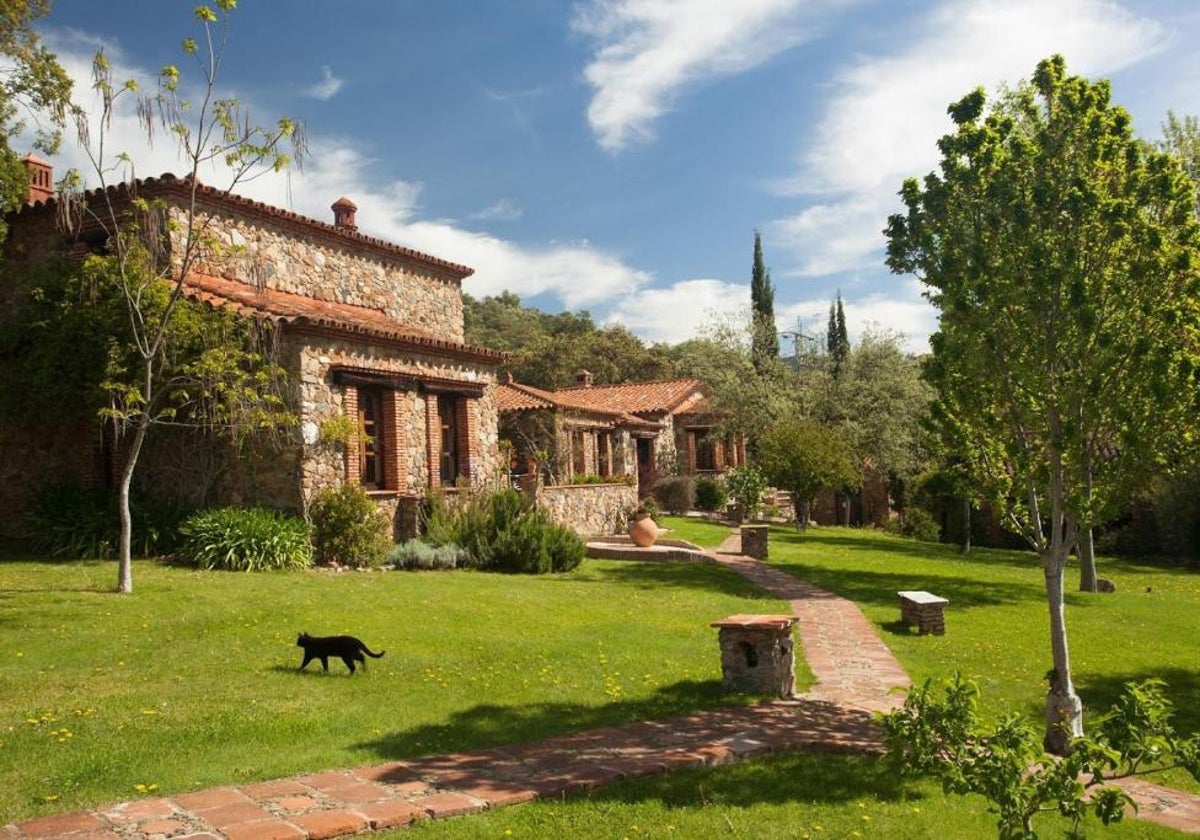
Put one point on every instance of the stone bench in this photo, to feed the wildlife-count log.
(924, 611)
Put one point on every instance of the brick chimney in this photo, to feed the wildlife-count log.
(343, 214)
(41, 178)
(583, 378)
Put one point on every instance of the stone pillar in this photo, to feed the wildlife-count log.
(758, 654)
(754, 541)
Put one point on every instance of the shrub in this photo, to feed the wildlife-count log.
(349, 529)
(501, 532)
(675, 493)
(746, 486)
(245, 540)
(415, 554)
(79, 523)
(916, 524)
(710, 495)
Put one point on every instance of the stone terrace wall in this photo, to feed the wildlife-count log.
(591, 509)
(325, 266)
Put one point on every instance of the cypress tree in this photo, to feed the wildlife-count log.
(765, 341)
(837, 339)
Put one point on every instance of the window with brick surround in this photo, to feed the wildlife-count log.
(454, 443)
(373, 438)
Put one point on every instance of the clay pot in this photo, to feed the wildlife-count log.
(643, 531)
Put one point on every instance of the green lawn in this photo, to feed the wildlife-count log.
(786, 797)
(191, 682)
(702, 532)
(997, 624)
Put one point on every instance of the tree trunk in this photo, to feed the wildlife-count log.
(801, 513)
(125, 554)
(1064, 710)
(965, 546)
(1087, 561)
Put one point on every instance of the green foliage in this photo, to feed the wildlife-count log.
(69, 521)
(1049, 220)
(675, 493)
(879, 400)
(746, 485)
(246, 540)
(32, 85)
(500, 532)
(349, 529)
(592, 478)
(546, 350)
(1062, 257)
(805, 457)
(747, 398)
(417, 554)
(940, 733)
(916, 524)
(710, 495)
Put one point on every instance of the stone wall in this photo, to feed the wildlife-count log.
(326, 266)
(325, 465)
(590, 509)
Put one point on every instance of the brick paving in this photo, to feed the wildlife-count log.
(856, 675)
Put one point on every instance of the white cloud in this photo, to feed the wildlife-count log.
(902, 310)
(648, 51)
(679, 311)
(504, 210)
(885, 116)
(576, 273)
(327, 88)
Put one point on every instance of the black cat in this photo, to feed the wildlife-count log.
(347, 648)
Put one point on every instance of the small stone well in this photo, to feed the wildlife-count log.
(757, 654)
(754, 541)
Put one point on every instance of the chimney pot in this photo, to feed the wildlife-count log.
(583, 378)
(343, 214)
(41, 179)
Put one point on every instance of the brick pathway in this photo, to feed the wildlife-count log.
(855, 676)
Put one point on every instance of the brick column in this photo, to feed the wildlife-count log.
(433, 440)
(354, 441)
(395, 413)
(468, 438)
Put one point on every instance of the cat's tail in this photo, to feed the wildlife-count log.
(367, 651)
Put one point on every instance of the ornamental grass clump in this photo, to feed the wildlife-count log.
(245, 540)
(349, 529)
(502, 532)
(419, 555)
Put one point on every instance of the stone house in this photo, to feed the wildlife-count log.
(370, 330)
(642, 429)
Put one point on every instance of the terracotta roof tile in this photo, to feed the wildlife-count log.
(302, 311)
(659, 397)
(517, 397)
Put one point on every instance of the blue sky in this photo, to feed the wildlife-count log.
(618, 155)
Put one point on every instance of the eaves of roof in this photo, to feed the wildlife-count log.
(181, 188)
(343, 320)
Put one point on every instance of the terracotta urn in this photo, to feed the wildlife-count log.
(643, 531)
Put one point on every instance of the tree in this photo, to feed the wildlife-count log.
(546, 350)
(880, 402)
(765, 346)
(748, 400)
(837, 340)
(805, 457)
(1062, 259)
(151, 268)
(32, 84)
